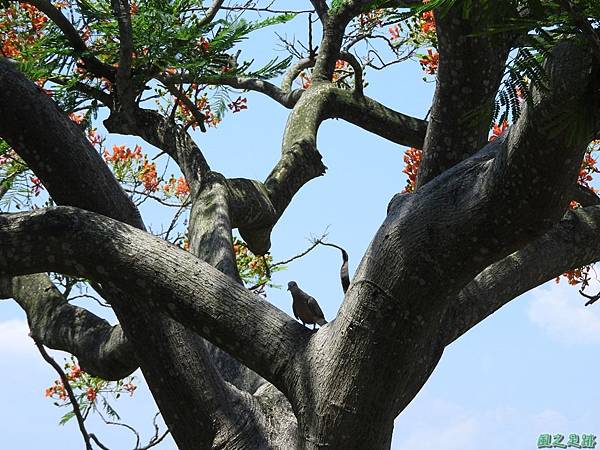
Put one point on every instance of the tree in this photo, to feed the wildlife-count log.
(480, 222)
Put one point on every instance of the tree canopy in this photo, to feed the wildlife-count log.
(497, 200)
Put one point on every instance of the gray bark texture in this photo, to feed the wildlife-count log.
(228, 370)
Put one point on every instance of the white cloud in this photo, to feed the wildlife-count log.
(14, 338)
(456, 435)
(560, 311)
(442, 425)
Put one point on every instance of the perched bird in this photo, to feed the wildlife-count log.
(305, 307)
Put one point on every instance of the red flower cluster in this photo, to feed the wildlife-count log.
(203, 44)
(203, 106)
(37, 187)
(588, 167)
(91, 394)
(149, 176)
(177, 187)
(19, 28)
(394, 32)
(122, 153)
(577, 276)
(497, 130)
(412, 159)
(57, 390)
(94, 138)
(306, 79)
(427, 22)
(430, 61)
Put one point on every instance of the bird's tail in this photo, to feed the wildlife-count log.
(321, 322)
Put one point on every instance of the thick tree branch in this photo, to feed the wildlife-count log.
(167, 136)
(256, 207)
(39, 132)
(210, 13)
(572, 243)
(281, 96)
(436, 240)
(373, 116)
(321, 9)
(101, 349)
(62, 149)
(294, 71)
(469, 73)
(174, 281)
(210, 227)
(585, 196)
(124, 86)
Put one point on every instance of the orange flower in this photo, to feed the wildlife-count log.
(412, 159)
(94, 138)
(75, 373)
(122, 153)
(58, 391)
(577, 276)
(430, 62)
(497, 130)
(588, 167)
(91, 394)
(427, 22)
(203, 44)
(130, 387)
(149, 176)
(77, 118)
(181, 189)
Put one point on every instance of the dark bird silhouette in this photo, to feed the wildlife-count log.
(305, 307)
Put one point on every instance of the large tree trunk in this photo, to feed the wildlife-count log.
(228, 369)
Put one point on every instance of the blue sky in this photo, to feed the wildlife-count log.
(524, 371)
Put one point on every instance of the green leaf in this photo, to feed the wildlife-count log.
(68, 416)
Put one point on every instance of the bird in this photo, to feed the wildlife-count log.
(305, 307)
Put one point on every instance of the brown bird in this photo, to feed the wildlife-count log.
(305, 307)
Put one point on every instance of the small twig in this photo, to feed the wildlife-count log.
(97, 441)
(300, 255)
(311, 50)
(156, 439)
(157, 199)
(124, 425)
(344, 274)
(174, 221)
(71, 395)
(156, 442)
(592, 298)
(91, 297)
